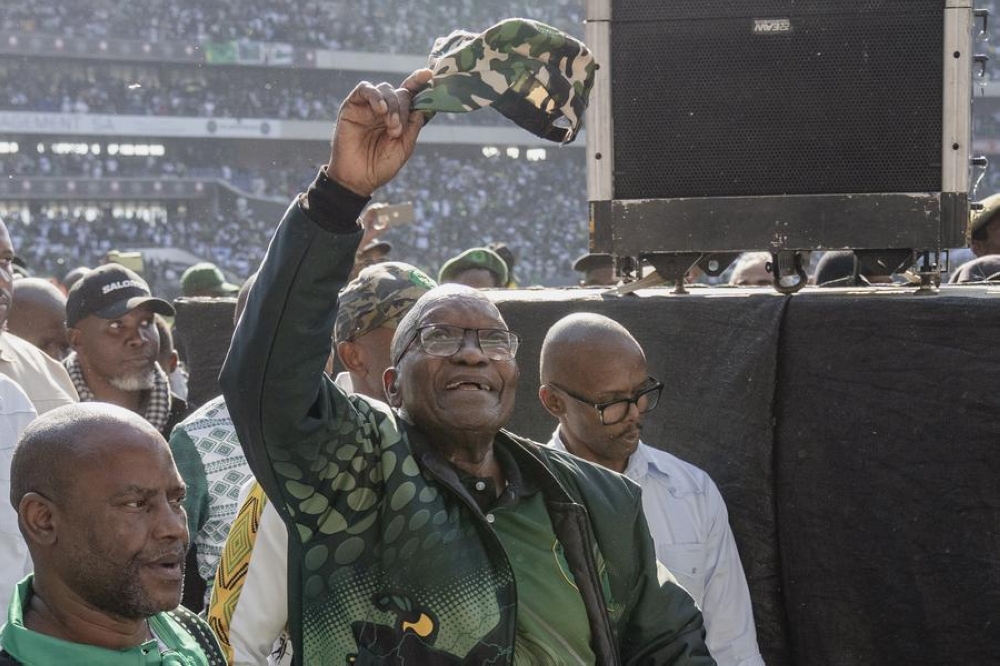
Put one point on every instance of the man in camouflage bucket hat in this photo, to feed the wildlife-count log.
(370, 308)
(532, 73)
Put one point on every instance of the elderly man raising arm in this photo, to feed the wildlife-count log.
(423, 533)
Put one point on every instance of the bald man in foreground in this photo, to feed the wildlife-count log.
(595, 381)
(100, 505)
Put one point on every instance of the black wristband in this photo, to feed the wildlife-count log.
(332, 206)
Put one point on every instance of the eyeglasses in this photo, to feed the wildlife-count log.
(615, 411)
(445, 340)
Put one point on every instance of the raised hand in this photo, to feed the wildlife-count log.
(375, 133)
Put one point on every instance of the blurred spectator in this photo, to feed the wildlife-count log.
(839, 268)
(598, 269)
(43, 379)
(503, 250)
(205, 279)
(19, 268)
(38, 315)
(374, 252)
(984, 227)
(751, 270)
(477, 267)
(371, 250)
(980, 269)
(170, 360)
(72, 277)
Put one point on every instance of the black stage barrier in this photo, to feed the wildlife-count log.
(888, 478)
(854, 436)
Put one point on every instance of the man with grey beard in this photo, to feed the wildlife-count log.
(115, 343)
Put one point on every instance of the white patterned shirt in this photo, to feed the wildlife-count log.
(210, 459)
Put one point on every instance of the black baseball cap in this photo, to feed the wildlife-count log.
(108, 292)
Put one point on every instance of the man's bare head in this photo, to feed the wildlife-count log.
(594, 380)
(38, 314)
(582, 333)
(51, 449)
(100, 504)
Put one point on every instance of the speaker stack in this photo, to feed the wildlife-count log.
(717, 127)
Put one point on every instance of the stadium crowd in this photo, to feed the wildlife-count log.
(270, 182)
(71, 165)
(241, 92)
(398, 25)
(185, 90)
(457, 206)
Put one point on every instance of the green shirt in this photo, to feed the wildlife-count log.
(32, 648)
(552, 625)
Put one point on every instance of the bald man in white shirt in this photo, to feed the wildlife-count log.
(595, 381)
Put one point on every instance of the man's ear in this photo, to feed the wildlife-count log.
(352, 357)
(74, 335)
(36, 515)
(390, 382)
(172, 362)
(551, 401)
(977, 248)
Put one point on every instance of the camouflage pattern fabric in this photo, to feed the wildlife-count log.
(379, 296)
(532, 73)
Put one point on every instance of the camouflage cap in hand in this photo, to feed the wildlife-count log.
(532, 73)
(380, 296)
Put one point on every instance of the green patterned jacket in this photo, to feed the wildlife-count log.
(390, 560)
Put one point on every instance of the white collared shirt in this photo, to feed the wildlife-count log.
(16, 412)
(690, 527)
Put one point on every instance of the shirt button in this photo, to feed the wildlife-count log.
(490, 518)
(480, 485)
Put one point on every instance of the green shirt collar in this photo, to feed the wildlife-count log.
(30, 647)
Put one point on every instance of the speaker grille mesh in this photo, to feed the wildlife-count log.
(848, 100)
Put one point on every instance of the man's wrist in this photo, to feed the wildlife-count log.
(331, 205)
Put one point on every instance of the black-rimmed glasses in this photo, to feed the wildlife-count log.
(444, 340)
(615, 411)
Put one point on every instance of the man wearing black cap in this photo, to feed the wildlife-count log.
(109, 313)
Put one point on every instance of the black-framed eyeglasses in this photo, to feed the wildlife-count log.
(444, 340)
(615, 411)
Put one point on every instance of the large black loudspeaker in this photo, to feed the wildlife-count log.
(727, 125)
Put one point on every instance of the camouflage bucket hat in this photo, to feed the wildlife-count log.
(380, 296)
(532, 73)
